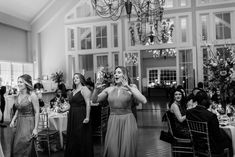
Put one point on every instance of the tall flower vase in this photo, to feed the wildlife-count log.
(223, 95)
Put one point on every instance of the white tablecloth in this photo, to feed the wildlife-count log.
(58, 121)
(232, 130)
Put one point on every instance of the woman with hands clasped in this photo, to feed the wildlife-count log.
(27, 116)
(79, 130)
(121, 136)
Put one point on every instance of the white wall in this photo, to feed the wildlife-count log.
(48, 38)
(13, 44)
(52, 48)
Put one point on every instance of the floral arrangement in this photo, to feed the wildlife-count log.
(220, 66)
(57, 77)
(104, 76)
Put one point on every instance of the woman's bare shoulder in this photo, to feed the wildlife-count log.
(109, 89)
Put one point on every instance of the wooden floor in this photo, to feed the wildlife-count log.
(149, 123)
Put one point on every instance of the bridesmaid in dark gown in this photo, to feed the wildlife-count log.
(79, 130)
(27, 116)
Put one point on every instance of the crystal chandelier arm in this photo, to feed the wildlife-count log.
(108, 8)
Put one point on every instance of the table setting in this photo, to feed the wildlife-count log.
(57, 120)
(226, 118)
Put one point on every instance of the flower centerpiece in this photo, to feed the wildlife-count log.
(220, 66)
(104, 76)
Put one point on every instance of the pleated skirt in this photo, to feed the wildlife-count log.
(1, 151)
(121, 136)
(23, 144)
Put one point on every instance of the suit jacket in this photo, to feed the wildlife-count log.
(218, 138)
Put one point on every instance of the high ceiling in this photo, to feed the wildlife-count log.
(26, 10)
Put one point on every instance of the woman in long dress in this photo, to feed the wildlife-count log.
(121, 136)
(27, 116)
(79, 130)
(179, 127)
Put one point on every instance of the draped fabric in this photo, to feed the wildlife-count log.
(79, 135)
(23, 144)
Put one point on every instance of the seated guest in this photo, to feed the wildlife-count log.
(219, 140)
(63, 89)
(38, 87)
(58, 99)
(177, 108)
(200, 86)
(215, 96)
(191, 102)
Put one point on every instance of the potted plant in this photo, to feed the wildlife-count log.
(57, 77)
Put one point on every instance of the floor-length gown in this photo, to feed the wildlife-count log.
(23, 144)
(1, 151)
(121, 136)
(79, 134)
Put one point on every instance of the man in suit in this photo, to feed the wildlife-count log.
(218, 138)
(2, 101)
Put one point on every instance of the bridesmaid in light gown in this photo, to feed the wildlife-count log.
(121, 136)
(27, 116)
(1, 152)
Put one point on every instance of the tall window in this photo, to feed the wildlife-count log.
(169, 4)
(101, 37)
(17, 70)
(86, 65)
(159, 76)
(153, 77)
(71, 40)
(167, 76)
(115, 59)
(114, 35)
(83, 10)
(204, 27)
(183, 3)
(186, 74)
(184, 30)
(10, 71)
(6, 72)
(85, 38)
(223, 25)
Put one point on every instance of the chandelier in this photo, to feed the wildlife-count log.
(143, 8)
(148, 13)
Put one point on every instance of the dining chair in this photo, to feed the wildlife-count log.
(45, 134)
(180, 146)
(102, 128)
(200, 138)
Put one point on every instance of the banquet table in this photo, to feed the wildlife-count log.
(58, 121)
(229, 128)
